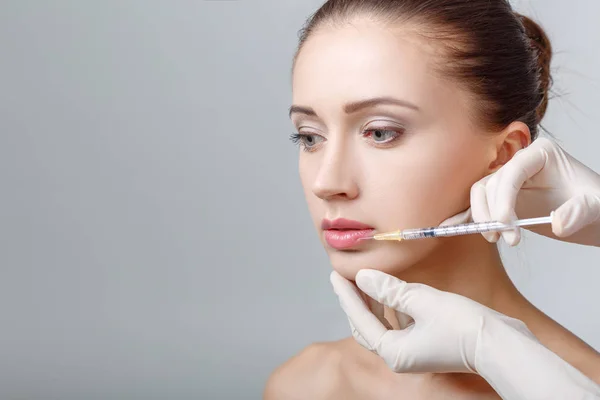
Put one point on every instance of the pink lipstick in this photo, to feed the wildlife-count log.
(344, 233)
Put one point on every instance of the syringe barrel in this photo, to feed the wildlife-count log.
(454, 230)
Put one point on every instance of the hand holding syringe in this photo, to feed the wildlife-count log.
(456, 230)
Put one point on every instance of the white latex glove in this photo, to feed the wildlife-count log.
(537, 180)
(452, 333)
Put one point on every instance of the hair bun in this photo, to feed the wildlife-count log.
(540, 44)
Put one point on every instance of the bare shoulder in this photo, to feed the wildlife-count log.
(313, 374)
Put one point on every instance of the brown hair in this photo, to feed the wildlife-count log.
(502, 57)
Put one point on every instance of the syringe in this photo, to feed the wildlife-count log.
(461, 229)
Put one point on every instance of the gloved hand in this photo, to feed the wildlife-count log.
(537, 180)
(452, 333)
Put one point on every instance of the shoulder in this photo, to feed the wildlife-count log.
(314, 374)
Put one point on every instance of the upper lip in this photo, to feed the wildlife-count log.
(343, 224)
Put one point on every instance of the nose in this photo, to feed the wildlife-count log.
(335, 178)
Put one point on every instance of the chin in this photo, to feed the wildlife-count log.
(390, 257)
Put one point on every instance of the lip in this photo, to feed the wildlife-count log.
(343, 233)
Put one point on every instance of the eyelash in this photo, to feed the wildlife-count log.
(298, 138)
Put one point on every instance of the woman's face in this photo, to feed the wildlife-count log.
(386, 142)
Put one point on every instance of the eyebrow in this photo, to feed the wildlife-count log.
(358, 105)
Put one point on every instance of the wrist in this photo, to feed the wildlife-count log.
(511, 359)
(498, 334)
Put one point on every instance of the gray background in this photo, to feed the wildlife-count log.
(154, 241)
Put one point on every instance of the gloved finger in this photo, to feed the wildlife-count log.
(400, 351)
(498, 212)
(376, 308)
(355, 333)
(575, 214)
(480, 210)
(362, 319)
(459, 218)
(524, 165)
(358, 337)
(512, 237)
(414, 299)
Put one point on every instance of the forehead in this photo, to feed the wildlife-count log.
(363, 60)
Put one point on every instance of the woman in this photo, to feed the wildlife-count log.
(400, 107)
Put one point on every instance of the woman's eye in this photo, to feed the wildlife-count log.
(382, 136)
(307, 141)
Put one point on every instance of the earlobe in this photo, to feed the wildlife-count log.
(512, 139)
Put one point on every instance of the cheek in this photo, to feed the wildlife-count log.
(422, 187)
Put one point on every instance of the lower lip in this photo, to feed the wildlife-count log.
(345, 239)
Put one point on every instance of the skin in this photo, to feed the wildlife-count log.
(399, 166)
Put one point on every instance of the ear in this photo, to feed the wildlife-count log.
(512, 139)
